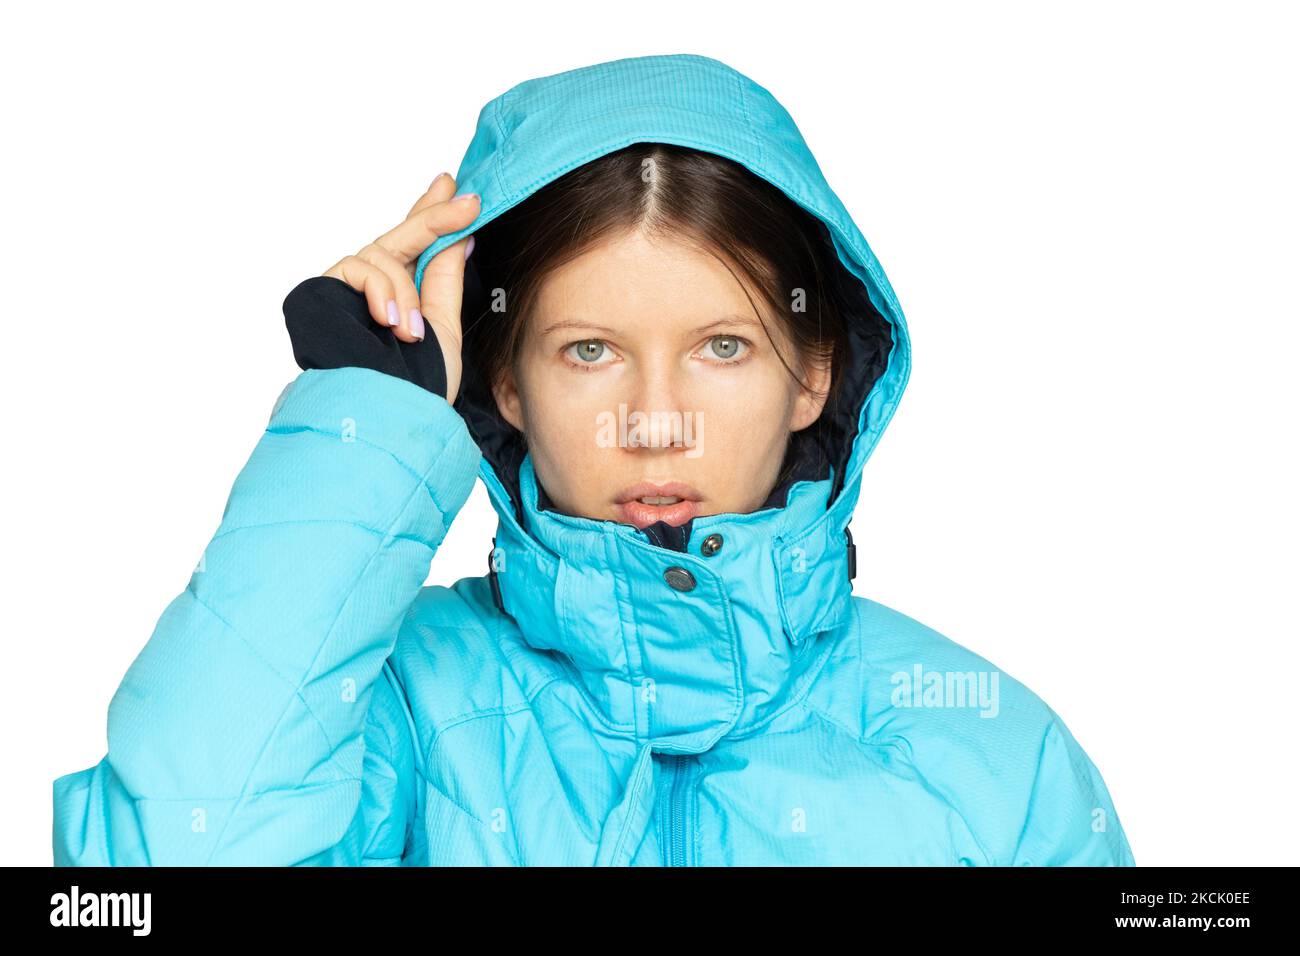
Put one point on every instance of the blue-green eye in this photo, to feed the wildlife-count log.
(725, 346)
(588, 351)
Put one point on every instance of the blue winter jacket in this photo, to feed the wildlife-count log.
(307, 700)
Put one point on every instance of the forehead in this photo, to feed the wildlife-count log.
(635, 281)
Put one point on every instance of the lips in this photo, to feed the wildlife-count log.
(673, 503)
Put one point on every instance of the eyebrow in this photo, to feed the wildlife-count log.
(727, 320)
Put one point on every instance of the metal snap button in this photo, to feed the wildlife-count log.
(679, 579)
(711, 545)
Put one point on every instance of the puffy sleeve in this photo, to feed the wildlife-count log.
(254, 727)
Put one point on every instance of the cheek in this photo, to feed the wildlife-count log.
(561, 414)
(747, 414)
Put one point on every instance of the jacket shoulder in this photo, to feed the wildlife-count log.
(907, 666)
(969, 731)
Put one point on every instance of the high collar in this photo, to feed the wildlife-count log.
(679, 669)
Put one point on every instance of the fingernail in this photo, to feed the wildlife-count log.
(393, 318)
(468, 196)
(469, 247)
(417, 324)
(437, 179)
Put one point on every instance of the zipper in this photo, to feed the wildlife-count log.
(674, 823)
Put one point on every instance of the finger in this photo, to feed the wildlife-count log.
(405, 306)
(440, 190)
(371, 280)
(409, 239)
(441, 291)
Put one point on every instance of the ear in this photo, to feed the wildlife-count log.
(506, 393)
(809, 403)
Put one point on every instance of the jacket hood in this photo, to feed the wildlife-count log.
(722, 655)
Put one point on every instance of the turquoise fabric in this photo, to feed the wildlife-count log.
(307, 700)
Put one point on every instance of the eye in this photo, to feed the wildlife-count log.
(587, 352)
(727, 347)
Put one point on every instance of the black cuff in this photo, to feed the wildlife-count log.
(330, 326)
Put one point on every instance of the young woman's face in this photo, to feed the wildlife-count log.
(644, 364)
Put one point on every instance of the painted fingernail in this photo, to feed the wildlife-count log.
(469, 247)
(417, 324)
(393, 318)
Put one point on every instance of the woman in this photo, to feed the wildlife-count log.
(678, 352)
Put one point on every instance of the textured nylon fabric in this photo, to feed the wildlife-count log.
(307, 700)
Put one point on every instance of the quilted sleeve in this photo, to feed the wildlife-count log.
(1071, 820)
(253, 729)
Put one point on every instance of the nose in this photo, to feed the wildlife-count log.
(660, 413)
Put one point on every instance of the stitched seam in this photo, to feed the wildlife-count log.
(625, 621)
(635, 786)
(803, 688)
(328, 521)
(459, 722)
(737, 666)
(499, 711)
(749, 123)
(334, 436)
(597, 713)
(255, 793)
(446, 796)
(1033, 789)
(388, 674)
(830, 608)
(297, 691)
(693, 809)
(921, 779)
(499, 159)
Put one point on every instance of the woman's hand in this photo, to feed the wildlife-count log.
(384, 271)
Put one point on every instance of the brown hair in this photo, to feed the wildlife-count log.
(690, 194)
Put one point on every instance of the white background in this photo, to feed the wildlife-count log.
(1089, 214)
